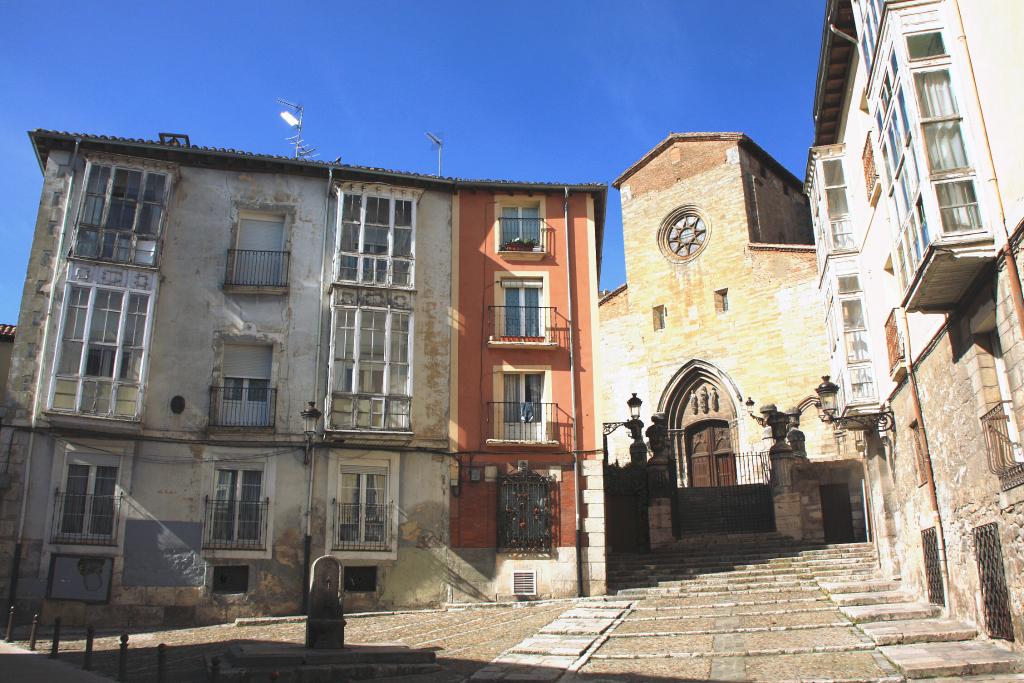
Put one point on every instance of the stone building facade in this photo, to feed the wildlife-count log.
(720, 306)
(916, 185)
(230, 364)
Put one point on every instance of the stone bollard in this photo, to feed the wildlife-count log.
(9, 636)
(90, 635)
(122, 659)
(161, 663)
(32, 632)
(55, 645)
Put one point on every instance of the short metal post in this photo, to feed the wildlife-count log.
(55, 645)
(32, 633)
(214, 669)
(90, 634)
(161, 663)
(9, 636)
(122, 659)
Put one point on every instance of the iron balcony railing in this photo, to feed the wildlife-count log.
(523, 323)
(249, 268)
(362, 526)
(525, 421)
(527, 505)
(1003, 452)
(235, 524)
(523, 234)
(242, 406)
(85, 518)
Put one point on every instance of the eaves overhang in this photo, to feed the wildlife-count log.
(835, 61)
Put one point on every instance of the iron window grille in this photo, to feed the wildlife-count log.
(527, 502)
(85, 518)
(932, 570)
(362, 526)
(251, 403)
(234, 524)
(1002, 450)
(251, 268)
(995, 595)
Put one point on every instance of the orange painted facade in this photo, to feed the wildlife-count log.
(485, 350)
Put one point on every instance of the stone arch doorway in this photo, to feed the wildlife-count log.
(710, 454)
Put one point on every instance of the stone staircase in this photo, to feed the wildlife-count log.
(762, 607)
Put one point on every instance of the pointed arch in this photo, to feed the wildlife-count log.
(689, 384)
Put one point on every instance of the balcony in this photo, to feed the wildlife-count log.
(949, 266)
(243, 406)
(523, 239)
(362, 526)
(370, 413)
(894, 345)
(256, 270)
(85, 518)
(235, 524)
(524, 326)
(526, 423)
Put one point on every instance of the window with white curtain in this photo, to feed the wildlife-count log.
(522, 313)
(523, 410)
(834, 182)
(519, 225)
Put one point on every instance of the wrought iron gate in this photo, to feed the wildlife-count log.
(988, 552)
(526, 505)
(625, 497)
(735, 498)
(932, 570)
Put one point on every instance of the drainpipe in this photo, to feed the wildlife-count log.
(310, 452)
(572, 383)
(16, 559)
(1011, 262)
(932, 493)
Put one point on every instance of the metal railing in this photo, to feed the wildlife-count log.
(242, 406)
(1002, 450)
(524, 421)
(527, 503)
(893, 342)
(85, 518)
(362, 526)
(250, 268)
(235, 524)
(523, 234)
(523, 323)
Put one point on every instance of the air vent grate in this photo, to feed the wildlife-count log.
(524, 583)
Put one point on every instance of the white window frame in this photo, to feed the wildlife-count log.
(93, 461)
(542, 430)
(519, 205)
(385, 400)
(100, 225)
(389, 258)
(80, 378)
(842, 353)
(362, 472)
(349, 461)
(228, 459)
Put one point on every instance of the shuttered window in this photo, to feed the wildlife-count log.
(253, 362)
(261, 234)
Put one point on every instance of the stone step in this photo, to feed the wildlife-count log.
(809, 589)
(874, 598)
(859, 586)
(899, 611)
(741, 555)
(682, 570)
(708, 587)
(970, 658)
(905, 632)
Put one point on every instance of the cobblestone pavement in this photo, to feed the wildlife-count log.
(465, 639)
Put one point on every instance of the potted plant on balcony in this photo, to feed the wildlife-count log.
(520, 244)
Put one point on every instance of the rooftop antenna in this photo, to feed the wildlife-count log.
(302, 150)
(436, 139)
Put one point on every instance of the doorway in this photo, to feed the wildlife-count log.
(836, 513)
(710, 457)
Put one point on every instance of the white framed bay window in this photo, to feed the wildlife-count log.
(376, 236)
(102, 343)
(371, 371)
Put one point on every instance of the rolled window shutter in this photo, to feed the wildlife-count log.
(253, 362)
(260, 235)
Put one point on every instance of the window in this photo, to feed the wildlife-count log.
(869, 12)
(660, 317)
(360, 579)
(370, 369)
(940, 121)
(258, 258)
(375, 242)
(86, 511)
(522, 312)
(848, 340)
(520, 228)
(102, 346)
(683, 235)
(721, 300)
(838, 207)
(236, 517)
(925, 45)
(246, 398)
(363, 514)
(522, 412)
(121, 215)
(231, 578)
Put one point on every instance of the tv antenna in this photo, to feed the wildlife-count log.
(302, 150)
(437, 140)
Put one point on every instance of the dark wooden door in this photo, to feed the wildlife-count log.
(836, 513)
(709, 455)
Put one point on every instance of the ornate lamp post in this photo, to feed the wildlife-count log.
(828, 407)
(310, 417)
(637, 449)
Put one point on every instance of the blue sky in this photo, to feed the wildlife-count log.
(555, 91)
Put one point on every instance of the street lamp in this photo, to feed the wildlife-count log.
(828, 407)
(310, 417)
(637, 450)
(634, 404)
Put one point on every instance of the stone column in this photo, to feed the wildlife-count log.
(594, 549)
(788, 519)
(661, 484)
